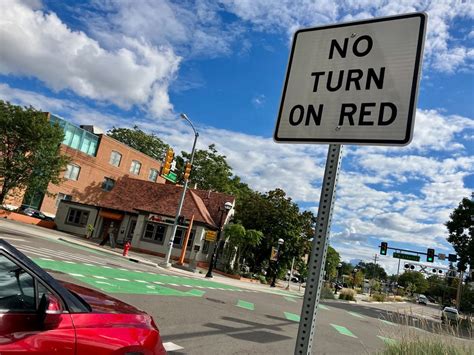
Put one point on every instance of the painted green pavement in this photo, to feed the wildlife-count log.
(388, 341)
(120, 280)
(247, 305)
(291, 316)
(343, 330)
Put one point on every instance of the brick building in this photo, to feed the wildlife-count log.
(97, 162)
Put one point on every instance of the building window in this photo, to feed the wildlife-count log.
(153, 175)
(115, 158)
(179, 238)
(155, 232)
(205, 247)
(77, 217)
(76, 137)
(135, 167)
(62, 196)
(108, 184)
(72, 172)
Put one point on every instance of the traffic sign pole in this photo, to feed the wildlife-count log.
(319, 249)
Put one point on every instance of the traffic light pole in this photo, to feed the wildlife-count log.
(167, 263)
(307, 326)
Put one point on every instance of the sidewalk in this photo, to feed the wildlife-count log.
(150, 260)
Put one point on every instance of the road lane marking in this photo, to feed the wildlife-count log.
(120, 279)
(142, 281)
(355, 314)
(291, 316)
(247, 305)
(169, 346)
(16, 239)
(388, 341)
(46, 259)
(388, 323)
(322, 306)
(76, 275)
(289, 299)
(197, 293)
(99, 277)
(69, 262)
(343, 330)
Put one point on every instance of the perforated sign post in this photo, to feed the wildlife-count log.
(350, 83)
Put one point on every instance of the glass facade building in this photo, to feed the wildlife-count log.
(76, 137)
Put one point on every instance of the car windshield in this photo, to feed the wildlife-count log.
(451, 310)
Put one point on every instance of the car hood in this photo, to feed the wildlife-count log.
(100, 302)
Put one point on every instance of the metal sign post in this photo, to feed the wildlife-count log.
(319, 249)
(348, 83)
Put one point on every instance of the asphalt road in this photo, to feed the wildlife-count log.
(199, 316)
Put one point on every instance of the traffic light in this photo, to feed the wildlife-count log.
(187, 170)
(452, 258)
(168, 161)
(430, 254)
(383, 248)
(410, 266)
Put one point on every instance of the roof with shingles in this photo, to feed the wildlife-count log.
(131, 195)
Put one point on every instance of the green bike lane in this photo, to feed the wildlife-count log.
(278, 310)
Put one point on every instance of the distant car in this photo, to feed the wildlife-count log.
(40, 315)
(449, 315)
(37, 214)
(422, 300)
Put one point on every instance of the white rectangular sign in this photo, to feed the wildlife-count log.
(353, 83)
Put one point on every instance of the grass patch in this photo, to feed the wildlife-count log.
(428, 345)
(347, 294)
(327, 294)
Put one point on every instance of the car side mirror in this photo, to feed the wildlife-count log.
(49, 304)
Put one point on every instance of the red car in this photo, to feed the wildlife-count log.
(40, 315)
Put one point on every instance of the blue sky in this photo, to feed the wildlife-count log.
(223, 63)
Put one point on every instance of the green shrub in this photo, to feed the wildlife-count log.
(262, 279)
(327, 293)
(378, 297)
(347, 294)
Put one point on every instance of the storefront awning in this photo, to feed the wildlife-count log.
(111, 215)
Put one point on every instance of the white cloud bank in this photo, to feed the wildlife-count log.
(41, 45)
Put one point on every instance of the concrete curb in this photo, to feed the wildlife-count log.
(133, 259)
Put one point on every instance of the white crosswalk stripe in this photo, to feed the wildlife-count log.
(61, 255)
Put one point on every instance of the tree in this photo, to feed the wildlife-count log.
(210, 170)
(332, 260)
(461, 233)
(241, 239)
(30, 155)
(146, 143)
(413, 280)
(373, 271)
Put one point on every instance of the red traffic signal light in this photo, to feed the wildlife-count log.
(430, 255)
(383, 248)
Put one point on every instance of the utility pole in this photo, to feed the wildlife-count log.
(458, 295)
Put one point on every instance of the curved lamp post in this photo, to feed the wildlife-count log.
(183, 195)
(227, 208)
(280, 243)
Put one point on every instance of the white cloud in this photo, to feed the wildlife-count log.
(41, 45)
(440, 52)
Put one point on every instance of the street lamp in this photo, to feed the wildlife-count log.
(183, 195)
(338, 276)
(227, 208)
(280, 242)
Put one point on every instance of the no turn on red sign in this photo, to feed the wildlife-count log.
(353, 83)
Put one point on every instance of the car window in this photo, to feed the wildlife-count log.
(17, 290)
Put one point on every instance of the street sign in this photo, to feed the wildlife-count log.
(441, 256)
(173, 177)
(210, 236)
(353, 83)
(406, 256)
(274, 255)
